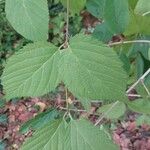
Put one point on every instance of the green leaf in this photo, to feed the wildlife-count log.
(141, 90)
(3, 118)
(141, 48)
(117, 15)
(149, 54)
(74, 6)
(140, 106)
(117, 111)
(40, 120)
(143, 7)
(86, 136)
(29, 18)
(31, 71)
(125, 60)
(77, 135)
(91, 70)
(139, 66)
(96, 7)
(143, 119)
(103, 33)
(2, 103)
(132, 3)
(86, 104)
(2, 145)
(138, 24)
(50, 137)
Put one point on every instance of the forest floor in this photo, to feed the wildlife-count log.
(126, 133)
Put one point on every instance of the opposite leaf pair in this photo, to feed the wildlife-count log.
(75, 135)
(89, 69)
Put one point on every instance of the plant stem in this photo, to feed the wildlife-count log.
(128, 42)
(134, 95)
(139, 80)
(146, 13)
(75, 110)
(103, 115)
(146, 89)
(67, 25)
(67, 104)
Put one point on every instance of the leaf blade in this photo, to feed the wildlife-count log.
(117, 15)
(29, 18)
(31, 71)
(89, 73)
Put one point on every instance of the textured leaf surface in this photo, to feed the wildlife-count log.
(138, 24)
(117, 15)
(40, 120)
(32, 71)
(77, 135)
(143, 119)
(141, 90)
(29, 18)
(103, 33)
(141, 48)
(132, 3)
(143, 7)
(115, 112)
(96, 7)
(140, 106)
(85, 136)
(86, 104)
(74, 5)
(139, 65)
(50, 137)
(91, 70)
(149, 54)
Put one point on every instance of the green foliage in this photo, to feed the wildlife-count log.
(32, 71)
(138, 24)
(91, 70)
(143, 7)
(74, 6)
(132, 3)
(3, 118)
(9, 39)
(85, 68)
(141, 90)
(51, 136)
(2, 145)
(103, 33)
(117, 15)
(96, 7)
(140, 106)
(61, 135)
(139, 65)
(139, 48)
(143, 119)
(117, 111)
(40, 120)
(32, 18)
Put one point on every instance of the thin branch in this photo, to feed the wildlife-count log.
(79, 110)
(146, 89)
(75, 110)
(67, 25)
(134, 95)
(128, 42)
(67, 103)
(108, 111)
(139, 80)
(146, 13)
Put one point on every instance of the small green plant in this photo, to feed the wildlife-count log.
(92, 67)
